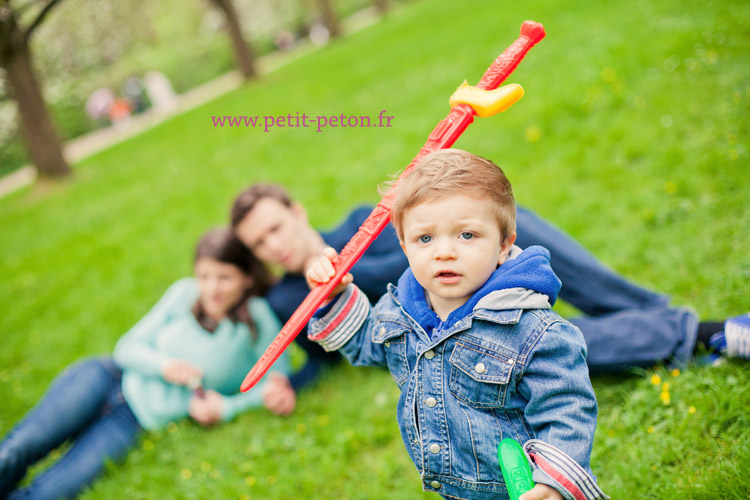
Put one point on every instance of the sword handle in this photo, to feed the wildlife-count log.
(531, 33)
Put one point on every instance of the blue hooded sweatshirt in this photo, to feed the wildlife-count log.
(528, 269)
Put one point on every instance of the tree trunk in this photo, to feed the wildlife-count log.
(43, 144)
(381, 6)
(242, 52)
(330, 19)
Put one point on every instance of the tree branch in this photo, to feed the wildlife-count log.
(42, 14)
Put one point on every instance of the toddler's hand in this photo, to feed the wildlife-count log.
(322, 270)
(541, 492)
(180, 372)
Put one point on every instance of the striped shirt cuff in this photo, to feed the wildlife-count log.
(342, 321)
(571, 480)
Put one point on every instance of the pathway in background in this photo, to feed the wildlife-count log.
(93, 142)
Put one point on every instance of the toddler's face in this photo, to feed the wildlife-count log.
(453, 245)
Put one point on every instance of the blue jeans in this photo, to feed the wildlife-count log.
(625, 325)
(83, 404)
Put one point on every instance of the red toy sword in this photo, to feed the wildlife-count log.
(443, 136)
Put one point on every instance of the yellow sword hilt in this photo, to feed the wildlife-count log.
(486, 102)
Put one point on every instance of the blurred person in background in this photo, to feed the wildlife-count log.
(186, 358)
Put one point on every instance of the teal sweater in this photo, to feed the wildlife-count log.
(170, 331)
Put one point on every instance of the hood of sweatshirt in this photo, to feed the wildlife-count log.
(524, 281)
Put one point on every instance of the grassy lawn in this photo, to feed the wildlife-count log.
(632, 136)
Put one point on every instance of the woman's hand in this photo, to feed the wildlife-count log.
(278, 395)
(180, 372)
(541, 492)
(206, 410)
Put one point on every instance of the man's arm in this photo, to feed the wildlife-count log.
(382, 263)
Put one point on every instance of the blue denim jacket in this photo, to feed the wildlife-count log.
(508, 367)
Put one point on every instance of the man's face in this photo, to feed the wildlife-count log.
(277, 234)
(453, 245)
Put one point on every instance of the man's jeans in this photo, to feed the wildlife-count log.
(83, 404)
(625, 325)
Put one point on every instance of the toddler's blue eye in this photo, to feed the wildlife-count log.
(425, 238)
(467, 235)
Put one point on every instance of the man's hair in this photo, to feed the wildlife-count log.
(453, 171)
(246, 200)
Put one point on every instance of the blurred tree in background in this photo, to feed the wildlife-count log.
(91, 44)
(18, 22)
(330, 18)
(243, 53)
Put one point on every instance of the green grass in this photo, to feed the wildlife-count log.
(632, 136)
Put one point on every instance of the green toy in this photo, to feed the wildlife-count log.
(515, 468)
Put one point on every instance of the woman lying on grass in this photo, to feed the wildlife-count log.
(186, 357)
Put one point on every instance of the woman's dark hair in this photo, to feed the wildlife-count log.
(222, 245)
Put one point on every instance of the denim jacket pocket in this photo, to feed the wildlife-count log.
(392, 335)
(480, 374)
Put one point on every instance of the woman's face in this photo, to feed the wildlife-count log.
(221, 286)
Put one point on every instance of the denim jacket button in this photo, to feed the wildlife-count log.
(510, 361)
(480, 368)
(382, 330)
(435, 484)
(431, 402)
(435, 448)
(429, 354)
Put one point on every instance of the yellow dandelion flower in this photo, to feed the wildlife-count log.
(301, 428)
(533, 134)
(611, 433)
(665, 387)
(670, 187)
(676, 372)
(655, 379)
(691, 410)
(205, 466)
(215, 474)
(250, 480)
(245, 497)
(651, 429)
(664, 396)
(148, 445)
(323, 420)
(186, 473)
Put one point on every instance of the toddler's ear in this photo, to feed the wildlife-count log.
(505, 247)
